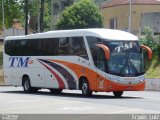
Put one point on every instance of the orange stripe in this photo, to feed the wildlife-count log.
(95, 78)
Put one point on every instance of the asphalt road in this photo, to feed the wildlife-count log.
(13, 100)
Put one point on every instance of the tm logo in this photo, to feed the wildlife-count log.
(19, 61)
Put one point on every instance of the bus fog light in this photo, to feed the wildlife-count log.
(141, 80)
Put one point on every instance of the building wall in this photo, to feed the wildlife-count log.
(14, 32)
(122, 15)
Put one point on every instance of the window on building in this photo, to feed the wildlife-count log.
(113, 23)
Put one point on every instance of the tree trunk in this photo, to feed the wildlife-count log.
(26, 15)
(41, 16)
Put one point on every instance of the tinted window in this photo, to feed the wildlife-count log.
(64, 46)
(51, 46)
(47, 47)
(32, 47)
(77, 47)
(97, 53)
(10, 47)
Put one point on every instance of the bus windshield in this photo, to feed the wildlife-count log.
(126, 58)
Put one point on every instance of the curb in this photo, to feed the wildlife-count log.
(153, 84)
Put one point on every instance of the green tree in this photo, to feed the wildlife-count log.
(149, 40)
(15, 9)
(82, 14)
(12, 10)
(35, 11)
(153, 41)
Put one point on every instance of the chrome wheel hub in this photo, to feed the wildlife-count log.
(84, 87)
(26, 85)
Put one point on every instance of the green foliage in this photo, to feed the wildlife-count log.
(149, 40)
(34, 12)
(82, 14)
(15, 9)
(158, 42)
(153, 68)
(47, 15)
(12, 10)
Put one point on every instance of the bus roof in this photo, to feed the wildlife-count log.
(96, 32)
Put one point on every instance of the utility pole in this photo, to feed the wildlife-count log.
(3, 26)
(26, 15)
(41, 16)
(130, 17)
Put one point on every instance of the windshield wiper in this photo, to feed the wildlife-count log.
(129, 65)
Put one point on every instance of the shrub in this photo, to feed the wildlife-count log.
(82, 14)
(149, 40)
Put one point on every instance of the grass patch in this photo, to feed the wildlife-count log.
(153, 68)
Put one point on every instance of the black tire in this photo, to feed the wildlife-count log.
(34, 90)
(85, 88)
(26, 85)
(56, 91)
(117, 93)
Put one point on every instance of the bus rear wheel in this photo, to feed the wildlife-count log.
(56, 91)
(85, 88)
(117, 93)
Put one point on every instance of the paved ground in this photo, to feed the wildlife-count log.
(14, 100)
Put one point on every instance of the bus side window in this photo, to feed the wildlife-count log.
(51, 46)
(77, 47)
(98, 57)
(63, 46)
(97, 53)
(15, 47)
(101, 59)
(9, 46)
(94, 54)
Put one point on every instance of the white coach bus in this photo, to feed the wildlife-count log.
(91, 60)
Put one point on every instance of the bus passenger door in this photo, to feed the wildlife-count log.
(101, 68)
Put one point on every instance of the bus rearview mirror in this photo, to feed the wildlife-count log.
(149, 51)
(106, 50)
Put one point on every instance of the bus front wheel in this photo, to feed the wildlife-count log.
(117, 93)
(26, 85)
(85, 88)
